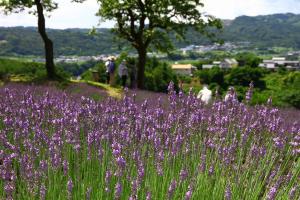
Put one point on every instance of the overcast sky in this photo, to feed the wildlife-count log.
(72, 15)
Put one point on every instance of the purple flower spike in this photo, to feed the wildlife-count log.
(228, 193)
(183, 175)
(172, 188)
(148, 196)
(188, 195)
(118, 190)
(70, 188)
(249, 92)
(43, 191)
(272, 193)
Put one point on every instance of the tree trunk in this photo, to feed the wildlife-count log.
(141, 67)
(50, 67)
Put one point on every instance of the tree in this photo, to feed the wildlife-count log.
(40, 7)
(242, 76)
(248, 59)
(146, 23)
(214, 75)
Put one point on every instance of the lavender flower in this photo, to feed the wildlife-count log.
(183, 175)
(65, 167)
(188, 195)
(118, 190)
(43, 130)
(228, 193)
(43, 191)
(172, 188)
(272, 193)
(70, 188)
(292, 192)
(148, 196)
(249, 92)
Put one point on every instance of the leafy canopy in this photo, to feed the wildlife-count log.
(142, 22)
(15, 6)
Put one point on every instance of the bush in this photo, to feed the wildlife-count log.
(243, 76)
(185, 79)
(158, 76)
(248, 59)
(290, 90)
(214, 75)
(77, 69)
(30, 70)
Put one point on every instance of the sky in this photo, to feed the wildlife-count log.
(73, 15)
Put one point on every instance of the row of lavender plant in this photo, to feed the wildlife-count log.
(55, 146)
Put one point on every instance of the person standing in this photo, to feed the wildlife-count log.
(110, 70)
(107, 70)
(123, 72)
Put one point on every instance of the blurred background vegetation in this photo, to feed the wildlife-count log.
(282, 85)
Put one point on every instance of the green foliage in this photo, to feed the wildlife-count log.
(242, 76)
(266, 31)
(248, 59)
(100, 68)
(77, 69)
(27, 41)
(173, 55)
(292, 97)
(18, 6)
(28, 70)
(214, 75)
(131, 20)
(87, 75)
(282, 86)
(185, 79)
(14, 67)
(147, 24)
(158, 75)
(102, 72)
(262, 31)
(291, 87)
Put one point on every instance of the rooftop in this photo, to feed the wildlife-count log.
(183, 66)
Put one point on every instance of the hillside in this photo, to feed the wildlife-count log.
(270, 30)
(262, 31)
(26, 41)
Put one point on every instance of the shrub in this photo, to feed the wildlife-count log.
(242, 76)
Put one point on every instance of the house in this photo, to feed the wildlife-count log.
(184, 69)
(276, 62)
(209, 66)
(229, 63)
(225, 64)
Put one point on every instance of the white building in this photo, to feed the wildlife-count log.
(229, 63)
(276, 62)
(184, 69)
(207, 66)
(225, 64)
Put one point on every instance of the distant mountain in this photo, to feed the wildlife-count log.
(261, 31)
(270, 30)
(26, 41)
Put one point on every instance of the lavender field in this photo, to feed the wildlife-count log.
(61, 145)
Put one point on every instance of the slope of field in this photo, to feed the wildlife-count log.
(57, 145)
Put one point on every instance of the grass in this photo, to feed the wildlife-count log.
(21, 78)
(115, 92)
(112, 91)
(21, 59)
